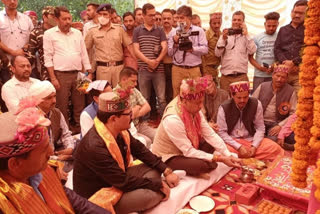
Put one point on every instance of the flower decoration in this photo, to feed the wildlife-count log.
(82, 83)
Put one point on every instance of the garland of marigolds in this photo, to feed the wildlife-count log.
(307, 125)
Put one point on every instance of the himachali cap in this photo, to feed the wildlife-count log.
(192, 89)
(23, 132)
(239, 86)
(113, 102)
(104, 7)
(217, 15)
(281, 68)
(30, 13)
(48, 10)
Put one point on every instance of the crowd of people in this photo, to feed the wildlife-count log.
(145, 62)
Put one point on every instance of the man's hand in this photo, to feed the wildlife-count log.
(172, 180)
(225, 34)
(153, 64)
(243, 152)
(135, 111)
(55, 83)
(176, 38)
(65, 154)
(165, 190)
(280, 142)
(244, 29)
(231, 161)
(289, 64)
(274, 131)
(18, 52)
(214, 126)
(252, 151)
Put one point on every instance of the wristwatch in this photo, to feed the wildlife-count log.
(167, 172)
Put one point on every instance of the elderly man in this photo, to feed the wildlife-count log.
(29, 184)
(178, 136)
(18, 86)
(278, 100)
(210, 62)
(234, 46)
(59, 133)
(104, 161)
(241, 126)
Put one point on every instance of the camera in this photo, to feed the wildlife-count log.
(232, 31)
(184, 42)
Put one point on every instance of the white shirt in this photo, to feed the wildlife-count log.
(65, 52)
(15, 33)
(176, 131)
(87, 26)
(14, 90)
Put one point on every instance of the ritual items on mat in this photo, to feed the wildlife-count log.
(269, 207)
(187, 211)
(247, 174)
(202, 203)
(247, 194)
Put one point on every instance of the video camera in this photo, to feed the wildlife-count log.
(184, 42)
(232, 31)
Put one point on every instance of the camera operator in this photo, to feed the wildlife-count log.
(186, 44)
(234, 46)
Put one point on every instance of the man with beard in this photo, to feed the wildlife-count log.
(14, 32)
(263, 62)
(65, 55)
(240, 122)
(29, 184)
(138, 16)
(130, 60)
(59, 134)
(36, 40)
(108, 40)
(278, 100)
(104, 167)
(93, 18)
(290, 41)
(18, 86)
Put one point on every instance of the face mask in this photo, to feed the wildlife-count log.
(52, 22)
(103, 21)
(182, 25)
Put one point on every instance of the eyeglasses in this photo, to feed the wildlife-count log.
(127, 114)
(158, 19)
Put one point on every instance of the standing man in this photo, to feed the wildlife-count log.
(14, 32)
(158, 19)
(35, 49)
(290, 41)
(210, 62)
(186, 59)
(196, 20)
(240, 122)
(18, 86)
(175, 18)
(92, 17)
(263, 62)
(138, 16)
(150, 46)
(33, 16)
(130, 60)
(108, 40)
(167, 21)
(234, 46)
(65, 55)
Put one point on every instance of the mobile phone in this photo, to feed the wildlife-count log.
(220, 211)
(265, 65)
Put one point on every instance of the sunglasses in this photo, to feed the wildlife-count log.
(158, 19)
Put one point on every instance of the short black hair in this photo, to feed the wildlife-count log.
(127, 72)
(112, 10)
(194, 16)
(14, 59)
(158, 13)
(185, 10)
(146, 7)
(95, 93)
(104, 116)
(4, 161)
(173, 11)
(136, 10)
(167, 10)
(272, 16)
(59, 9)
(300, 3)
(239, 12)
(128, 14)
(95, 5)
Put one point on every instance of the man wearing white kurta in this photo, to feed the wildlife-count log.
(178, 138)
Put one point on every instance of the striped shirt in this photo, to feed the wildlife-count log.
(149, 42)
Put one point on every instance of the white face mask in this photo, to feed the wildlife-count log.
(182, 25)
(103, 21)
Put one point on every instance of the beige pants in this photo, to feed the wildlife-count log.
(109, 73)
(178, 74)
(225, 80)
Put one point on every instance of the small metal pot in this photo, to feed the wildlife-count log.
(247, 175)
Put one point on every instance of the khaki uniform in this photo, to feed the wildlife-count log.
(108, 49)
(210, 62)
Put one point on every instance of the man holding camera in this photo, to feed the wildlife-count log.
(234, 46)
(186, 44)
